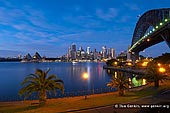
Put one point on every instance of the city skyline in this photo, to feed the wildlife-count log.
(50, 27)
(89, 54)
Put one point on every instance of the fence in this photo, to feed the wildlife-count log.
(59, 95)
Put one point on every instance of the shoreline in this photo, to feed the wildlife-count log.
(71, 103)
(82, 96)
(79, 104)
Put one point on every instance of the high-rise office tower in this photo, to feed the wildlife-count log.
(73, 47)
(88, 50)
(69, 53)
(109, 53)
(113, 53)
(80, 48)
(73, 51)
(95, 54)
(104, 52)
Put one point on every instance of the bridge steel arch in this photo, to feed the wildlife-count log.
(148, 20)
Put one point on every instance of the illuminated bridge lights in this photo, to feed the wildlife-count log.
(153, 29)
(161, 24)
(157, 27)
(148, 40)
(146, 35)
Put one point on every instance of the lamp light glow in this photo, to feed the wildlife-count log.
(162, 70)
(85, 75)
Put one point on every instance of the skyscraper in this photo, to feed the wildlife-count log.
(104, 52)
(69, 53)
(80, 48)
(109, 53)
(88, 50)
(113, 53)
(95, 54)
(73, 47)
(73, 51)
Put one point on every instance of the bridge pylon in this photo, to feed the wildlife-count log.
(166, 37)
(134, 57)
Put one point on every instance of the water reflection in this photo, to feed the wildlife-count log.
(135, 80)
(12, 74)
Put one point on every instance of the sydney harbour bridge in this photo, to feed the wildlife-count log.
(152, 28)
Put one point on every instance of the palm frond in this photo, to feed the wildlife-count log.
(51, 77)
(120, 82)
(59, 81)
(40, 82)
(47, 71)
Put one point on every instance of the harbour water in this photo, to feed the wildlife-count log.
(13, 73)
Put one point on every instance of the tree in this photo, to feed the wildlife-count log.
(41, 83)
(120, 82)
(153, 73)
(163, 59)
(112, 62)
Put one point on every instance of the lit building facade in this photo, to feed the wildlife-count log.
(104, 52)
(113, 53)
(73, 51)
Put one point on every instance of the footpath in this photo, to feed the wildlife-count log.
(159, 103)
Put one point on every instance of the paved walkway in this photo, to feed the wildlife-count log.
(159, 103)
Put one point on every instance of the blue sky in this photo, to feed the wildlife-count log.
(51, 26)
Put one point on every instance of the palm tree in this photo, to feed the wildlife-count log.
(153, 74)
(41, 83)
(120, 82)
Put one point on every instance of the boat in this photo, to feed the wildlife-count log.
(74, 62)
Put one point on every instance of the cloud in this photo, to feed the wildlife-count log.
(108, 15)
(27, 25)
(85, 22)
(131, 6)
(10, 53)
(29, 30)
(33, 32)
(124, 19)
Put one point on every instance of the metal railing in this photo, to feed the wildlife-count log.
(59, 95)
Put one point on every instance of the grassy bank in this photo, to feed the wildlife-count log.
(72, 103)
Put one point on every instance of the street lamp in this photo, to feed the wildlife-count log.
(144, 64)
(115, 63)
(159, 64)
(85, 77)
(162, 70)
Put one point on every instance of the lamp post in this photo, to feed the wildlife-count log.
(85, 77)
(162, 70)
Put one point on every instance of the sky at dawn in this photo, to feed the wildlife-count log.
(51, 26)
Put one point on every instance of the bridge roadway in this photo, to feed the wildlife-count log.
(127, 70)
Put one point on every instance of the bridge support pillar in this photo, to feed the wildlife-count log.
(134, 56)
(166, 39)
